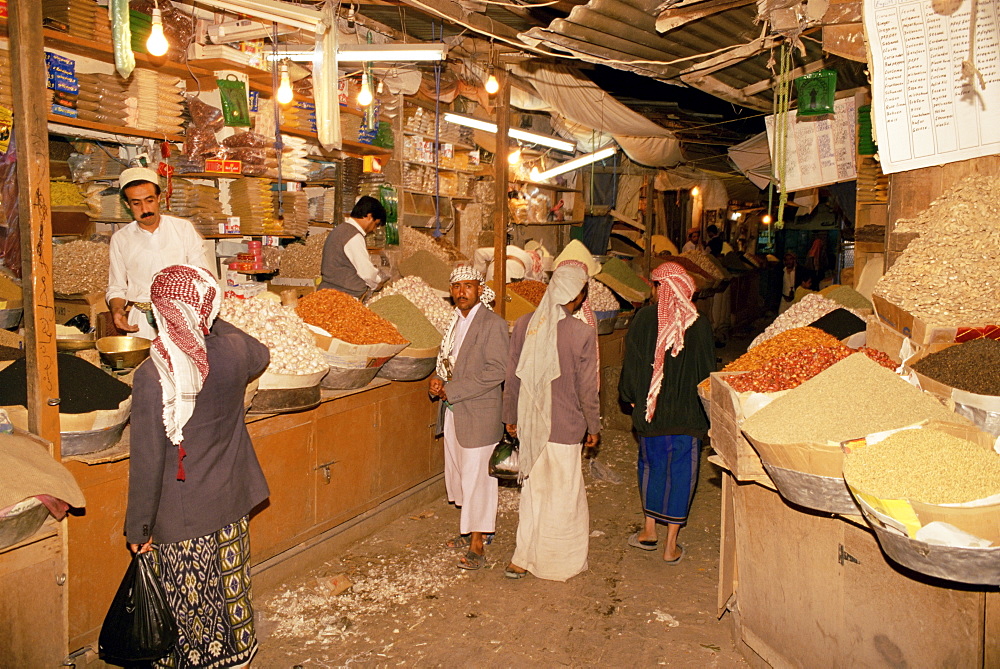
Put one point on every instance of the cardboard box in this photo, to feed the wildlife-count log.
(10, 293)
(922, 332)
(726, 416)
(68, 306)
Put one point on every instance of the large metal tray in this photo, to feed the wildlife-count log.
(820, 493)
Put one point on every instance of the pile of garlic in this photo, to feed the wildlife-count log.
(600, 296)
(417, 290)
(293, 347)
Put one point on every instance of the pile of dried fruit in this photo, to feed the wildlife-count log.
(80, 267)
(790, 370)
(292, 345)
(345, 318)
(529, 290)
(419, 292)
(924, 465)
(303, 261)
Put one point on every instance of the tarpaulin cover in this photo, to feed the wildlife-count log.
(593, 116)
(713, 191)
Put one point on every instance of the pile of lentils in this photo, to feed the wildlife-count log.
(973, 366)
(409, 320)
(924, 465)
(851, 399)
(532, 291)
(82, 386)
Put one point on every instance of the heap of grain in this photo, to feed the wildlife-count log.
(292, 345)
(950, 274)
(346, 319)
(417, 291)
(80, 267)
(82, 386)
(804, 312)
(707, 263)
(851, 399)
(409, 320)
(412, 240)
(303, 261)
(846, 296)
(924, 465)
(532, 291)
(971, 366)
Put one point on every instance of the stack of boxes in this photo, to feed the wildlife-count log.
(63, 84)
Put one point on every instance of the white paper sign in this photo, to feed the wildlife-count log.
(821, 149)
(925, 113)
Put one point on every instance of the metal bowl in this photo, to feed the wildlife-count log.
(73, 343)
(123, 352)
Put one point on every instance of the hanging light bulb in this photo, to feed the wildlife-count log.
(285, 93)
(766, 220)
(695, 191)
(157, 43)
(365, 96)
(534, 174)
(492, 84)
(515, 156)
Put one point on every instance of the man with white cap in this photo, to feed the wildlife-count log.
(142, 248)
(471, 367)
(551, 404)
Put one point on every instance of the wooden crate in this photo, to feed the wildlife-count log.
(727, 438)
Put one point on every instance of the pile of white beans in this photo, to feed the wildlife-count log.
(416, 290)
(292, 345)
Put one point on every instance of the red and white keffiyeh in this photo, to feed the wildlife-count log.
(675, 313)
(185, 301)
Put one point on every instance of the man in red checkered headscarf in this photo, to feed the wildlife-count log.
(669, 349)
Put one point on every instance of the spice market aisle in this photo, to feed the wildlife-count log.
(410, 604)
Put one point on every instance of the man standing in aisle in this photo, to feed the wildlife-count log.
(142, 248)
(346, 265)
(471, 367)
(551, 404)
(667, 414)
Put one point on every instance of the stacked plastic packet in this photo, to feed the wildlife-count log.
(104, 203)
(78, 16)
(300, 115)
(250, 199)
(198, 203)
(322, 204)
(255, 152)
(351, 178)
(103, 98)
(295, 207)
(6, 92)
(295, 163)
(158, 102)
(63, 84)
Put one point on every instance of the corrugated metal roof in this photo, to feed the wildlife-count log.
(426, 28)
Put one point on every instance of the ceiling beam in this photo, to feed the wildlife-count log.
(764, 84)
(713, 86)
(730, 57)
(455, 13)
(673, 18)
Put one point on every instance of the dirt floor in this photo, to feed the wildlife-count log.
(410, 605)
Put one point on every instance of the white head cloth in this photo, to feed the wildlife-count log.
(461, 273)
(538, 367)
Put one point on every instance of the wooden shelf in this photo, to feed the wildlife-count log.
(558, 189)
(349, 146)
(429, 194)
(110, 129)
(458, 145)
(440, 169)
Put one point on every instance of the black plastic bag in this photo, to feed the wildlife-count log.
(504, 461)
(139, 626)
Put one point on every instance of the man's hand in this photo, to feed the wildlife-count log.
(436, 389)
(591, 440)
(120, 318)
(141, 548)
(512, 429)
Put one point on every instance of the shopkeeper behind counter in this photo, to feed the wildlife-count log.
(142, 248)
(346, 265)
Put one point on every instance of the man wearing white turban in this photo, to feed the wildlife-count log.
(470, 370)
(551, 404)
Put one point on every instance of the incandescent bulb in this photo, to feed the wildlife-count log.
(157, 43)
(534, 174)
(365, 94)
(515, 156)
(766, 220)
(285, 93)
(695, 191)
(492, 85)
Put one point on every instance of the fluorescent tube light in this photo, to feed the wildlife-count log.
(297, 56)
(285, 13)
(576, 163)
(516, 133)
(362, 53)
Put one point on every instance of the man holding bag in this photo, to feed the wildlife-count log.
(470, 369)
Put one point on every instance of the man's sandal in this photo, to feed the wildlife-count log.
(465, 540)
(471, 561)
(512, 573)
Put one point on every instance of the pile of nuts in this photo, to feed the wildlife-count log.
(411, 241)
(417, 290)
(530, 290)
(950, 274)
(80, 267)
(345, 318)
(303, 261)
(292, 345)
(807, 310)
(600, 297)
(704, 261)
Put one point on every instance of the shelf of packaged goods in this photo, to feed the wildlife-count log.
(429, 194)
(349, 146)
(206, 175)
(441, 168)
(554, 187)
(111, 129)
(441, 140)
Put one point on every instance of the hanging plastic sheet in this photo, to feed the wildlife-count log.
(121, 37)
(325, 92)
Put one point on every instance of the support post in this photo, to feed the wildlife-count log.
(501, 172)
(27, 53)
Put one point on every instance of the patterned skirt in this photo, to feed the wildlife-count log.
(668, 474)
(207, 581)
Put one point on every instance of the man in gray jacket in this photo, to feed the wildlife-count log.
(471, 368)
(346, 266)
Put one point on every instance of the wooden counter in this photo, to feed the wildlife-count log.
(324, 466)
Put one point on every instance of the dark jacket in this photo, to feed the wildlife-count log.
(678, 409)
(224, 481)
(337, 270)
